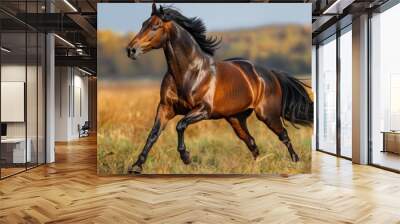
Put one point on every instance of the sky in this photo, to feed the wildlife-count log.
(128, 17)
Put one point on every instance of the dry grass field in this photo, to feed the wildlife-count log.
(126, 114)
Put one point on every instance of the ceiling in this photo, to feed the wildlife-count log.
(76, 21)
(330, 15)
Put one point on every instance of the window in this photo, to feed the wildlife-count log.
(385, 89)
(346, 92)
(327, 96)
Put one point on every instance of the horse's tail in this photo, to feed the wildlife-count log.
(297, 106)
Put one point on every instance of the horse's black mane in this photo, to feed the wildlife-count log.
(195, 26)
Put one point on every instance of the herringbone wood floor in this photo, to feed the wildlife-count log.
(69, 191)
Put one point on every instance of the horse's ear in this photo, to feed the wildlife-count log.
(161, 10)
(153, 9)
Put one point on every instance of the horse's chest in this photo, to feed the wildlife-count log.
(189, 98)
(194, 88)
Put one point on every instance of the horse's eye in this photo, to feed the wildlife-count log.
(154, 27)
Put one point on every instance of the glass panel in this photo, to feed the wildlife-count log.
(327, 96)
(32, 87)
(385, 84)
(13, 86)
(31, 100)
(41, 98)
(346, 94)
(313, 78)
(23, 90)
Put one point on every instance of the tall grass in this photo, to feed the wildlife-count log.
(126, 115)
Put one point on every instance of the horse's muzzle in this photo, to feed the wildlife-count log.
(131, 53)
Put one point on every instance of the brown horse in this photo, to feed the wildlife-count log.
(200, 88)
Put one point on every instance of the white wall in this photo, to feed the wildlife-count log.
(13, 73)
(80, 110)
(16, 73)
(71, 102)
(62, 82)
(13, 101)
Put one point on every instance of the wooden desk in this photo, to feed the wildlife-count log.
(391, 141)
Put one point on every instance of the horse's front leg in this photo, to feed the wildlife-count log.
(196, 115)
(164, 114)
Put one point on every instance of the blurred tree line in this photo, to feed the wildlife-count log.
(284, 47)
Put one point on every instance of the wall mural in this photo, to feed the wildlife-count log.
(204, 88)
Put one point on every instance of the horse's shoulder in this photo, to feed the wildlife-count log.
(168, 87)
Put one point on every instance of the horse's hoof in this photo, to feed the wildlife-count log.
(295, 158)
(255, 155)
(136, 169)
(186, 158)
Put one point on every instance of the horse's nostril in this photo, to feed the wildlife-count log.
(131, 51)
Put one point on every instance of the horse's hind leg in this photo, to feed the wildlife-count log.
(273, 121)
(239, 125)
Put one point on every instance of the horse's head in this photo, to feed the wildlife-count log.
(153, 34)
